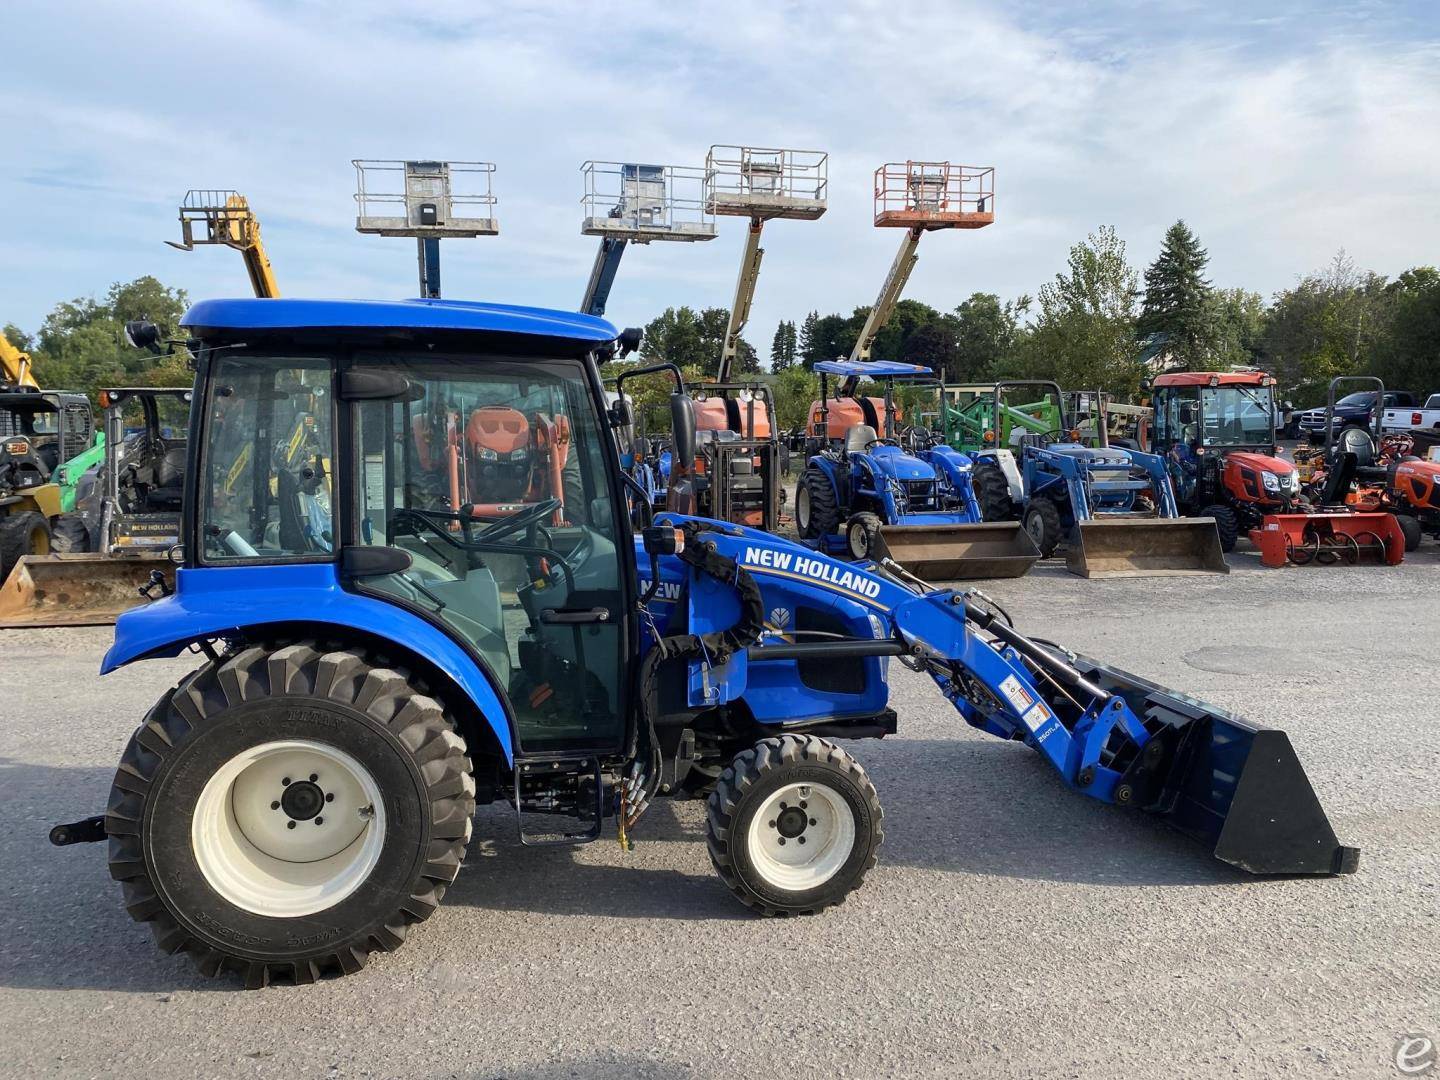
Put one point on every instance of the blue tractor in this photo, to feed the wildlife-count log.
(394, 624)
(1113, 508)
(872, 490)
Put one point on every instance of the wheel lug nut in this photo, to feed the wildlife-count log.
(329, 796)
(314, 777)
(285, 782)
(290, 824)
(802, 804)
(772, 824)
(801, 839)
(812, 821)
(783, 806)
(319, 821)
(782, 841)
(275, 805)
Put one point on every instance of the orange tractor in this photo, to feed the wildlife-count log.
(1217, 430)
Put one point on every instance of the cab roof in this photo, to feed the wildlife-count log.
(1213, 378)
(250, 313)
(872, 369)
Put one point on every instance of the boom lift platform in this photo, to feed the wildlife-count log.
(428, 200)
(627, 203)
(227, 219)
(921, 196)
(305, 796)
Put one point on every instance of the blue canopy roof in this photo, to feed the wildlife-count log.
(256, 314)
(873, 369)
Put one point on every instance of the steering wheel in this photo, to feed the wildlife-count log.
(519, 520)
(885, 440)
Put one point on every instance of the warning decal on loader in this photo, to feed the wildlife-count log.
(1019, 697)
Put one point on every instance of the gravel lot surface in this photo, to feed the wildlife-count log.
(1011, 928)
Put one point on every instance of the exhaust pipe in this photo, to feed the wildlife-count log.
(1145, 547)
(73, 590)
(992, 549)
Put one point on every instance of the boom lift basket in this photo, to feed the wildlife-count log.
(425, 198)
(640, 203)
(992, 549)
(1125, 546)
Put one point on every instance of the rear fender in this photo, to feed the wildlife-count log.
(224, 601)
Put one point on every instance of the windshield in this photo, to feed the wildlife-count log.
(1237, 415)
(1357, 399)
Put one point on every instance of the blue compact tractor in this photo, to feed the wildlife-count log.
(872, 489)
(409, 575)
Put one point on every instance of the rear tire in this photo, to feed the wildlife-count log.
(69, 534)
(1411, 528)
(862, 536)
(1226, 524)
(992, 492)
(793, 825)
(1042, 522)
(210, 841)
(25, 533)
(820, 515)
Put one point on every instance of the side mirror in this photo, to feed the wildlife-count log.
(630, 339)
(143, 334)
(622, 413)
(682, 430)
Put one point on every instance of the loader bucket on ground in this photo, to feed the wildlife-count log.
(1236, 787)
(72, 590)
(1145, 546)
(992, 549)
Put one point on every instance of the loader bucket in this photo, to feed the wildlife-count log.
(1145, 546)
(1236, 787)
(992, 549)
(72, 590)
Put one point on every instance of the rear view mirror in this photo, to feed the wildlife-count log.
(622, 413)
(682, 429)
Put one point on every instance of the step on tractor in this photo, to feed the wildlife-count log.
(1217, 432)
(878, 490)
(305, 796)
(1373, 472)
(126, 518)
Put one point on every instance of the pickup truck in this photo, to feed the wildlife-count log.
(1418, 418)
(1353, 410)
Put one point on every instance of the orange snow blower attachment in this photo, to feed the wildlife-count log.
(1329, 537)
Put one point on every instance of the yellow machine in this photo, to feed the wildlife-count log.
(228, 220)
(15, 367)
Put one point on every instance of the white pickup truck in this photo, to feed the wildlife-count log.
(1413, 418)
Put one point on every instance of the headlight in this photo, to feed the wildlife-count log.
(486, 454)
(1290, 481)
(1271, 481)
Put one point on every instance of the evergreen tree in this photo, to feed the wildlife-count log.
(809, 344)
(782, 348)
(1178, 302)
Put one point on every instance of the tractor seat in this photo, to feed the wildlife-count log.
(1357, 441)
(858, 438)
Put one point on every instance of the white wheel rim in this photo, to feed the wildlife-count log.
(807, 858)
(859, 542)
(802, 508)
(260, 846)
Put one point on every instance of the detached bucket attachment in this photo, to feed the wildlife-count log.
(1329, 538)
(73, 590)
(992, 549)
(1141, 546)
(1237, 788)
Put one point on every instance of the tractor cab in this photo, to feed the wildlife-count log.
(38, 433)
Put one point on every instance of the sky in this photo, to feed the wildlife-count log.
(1281, 132)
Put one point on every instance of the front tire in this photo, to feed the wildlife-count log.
(862, 536)
(1226, 525)
(283, 813)
(816, 512)
(21, 534)
(793, 825)
(1042, 522)
(1411, 528)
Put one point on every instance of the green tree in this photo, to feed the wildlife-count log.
(986, 334)
(808, 345)
(1084, 334)
(1327, 325)
(784, 347)
(794, 389)
(1177, 300)
(1237, 318)
(695, 340)
(1407, 356)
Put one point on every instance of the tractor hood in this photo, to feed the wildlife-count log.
(1092, 455)
(1261, 462)
(895, 463)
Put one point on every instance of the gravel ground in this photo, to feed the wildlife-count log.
(1011, 929)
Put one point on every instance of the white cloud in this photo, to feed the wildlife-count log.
(1280, 137)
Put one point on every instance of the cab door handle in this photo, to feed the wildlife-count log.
(575, 615)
